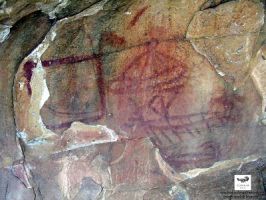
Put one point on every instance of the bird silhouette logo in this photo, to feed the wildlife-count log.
(243, 180)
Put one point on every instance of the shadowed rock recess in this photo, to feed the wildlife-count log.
(132, 100)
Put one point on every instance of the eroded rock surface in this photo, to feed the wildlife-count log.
(154, 100)
(227, 39)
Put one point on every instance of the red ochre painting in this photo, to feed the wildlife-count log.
(137, 100)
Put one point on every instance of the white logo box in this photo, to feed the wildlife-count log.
(242, 182)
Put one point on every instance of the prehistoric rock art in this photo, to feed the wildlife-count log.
(140, 100)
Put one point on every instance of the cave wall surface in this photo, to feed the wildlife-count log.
(132, 99)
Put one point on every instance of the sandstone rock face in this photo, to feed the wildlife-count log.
(133, 99)
(227, 39)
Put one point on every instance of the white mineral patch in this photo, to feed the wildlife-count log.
(178, 192)
(63, 179)
(53, 8)
(6, 10)
(4, 32)
(220, 165)
(62, 4)
(21, 85)
(175, 177)
(167, 170)
(22, 135)
(39, 71)
(110, 132)
(40, 94)
(37, 141)
(220, 72)
(109, 135)
(90, 11)
(258, 76)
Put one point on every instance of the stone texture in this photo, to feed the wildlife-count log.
(257, 75)
(227, 39)
(33, 28)
(154, 100)
(11, 11)
(11, 188)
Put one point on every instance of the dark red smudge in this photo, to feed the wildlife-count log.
(137, 16)
(69, 60)
(229, 104)
(111, 38)
(206, 154)
(101, 85)
(28, 67)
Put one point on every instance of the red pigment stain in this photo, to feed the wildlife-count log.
(136, 18)
(149, 67)
(28, 67)
(101, 85)
(96, 58)
(148, 88)
(208, 153)
(229, 104)
(111, 38)
(70, 60)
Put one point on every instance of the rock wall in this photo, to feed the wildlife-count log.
(132, 99)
